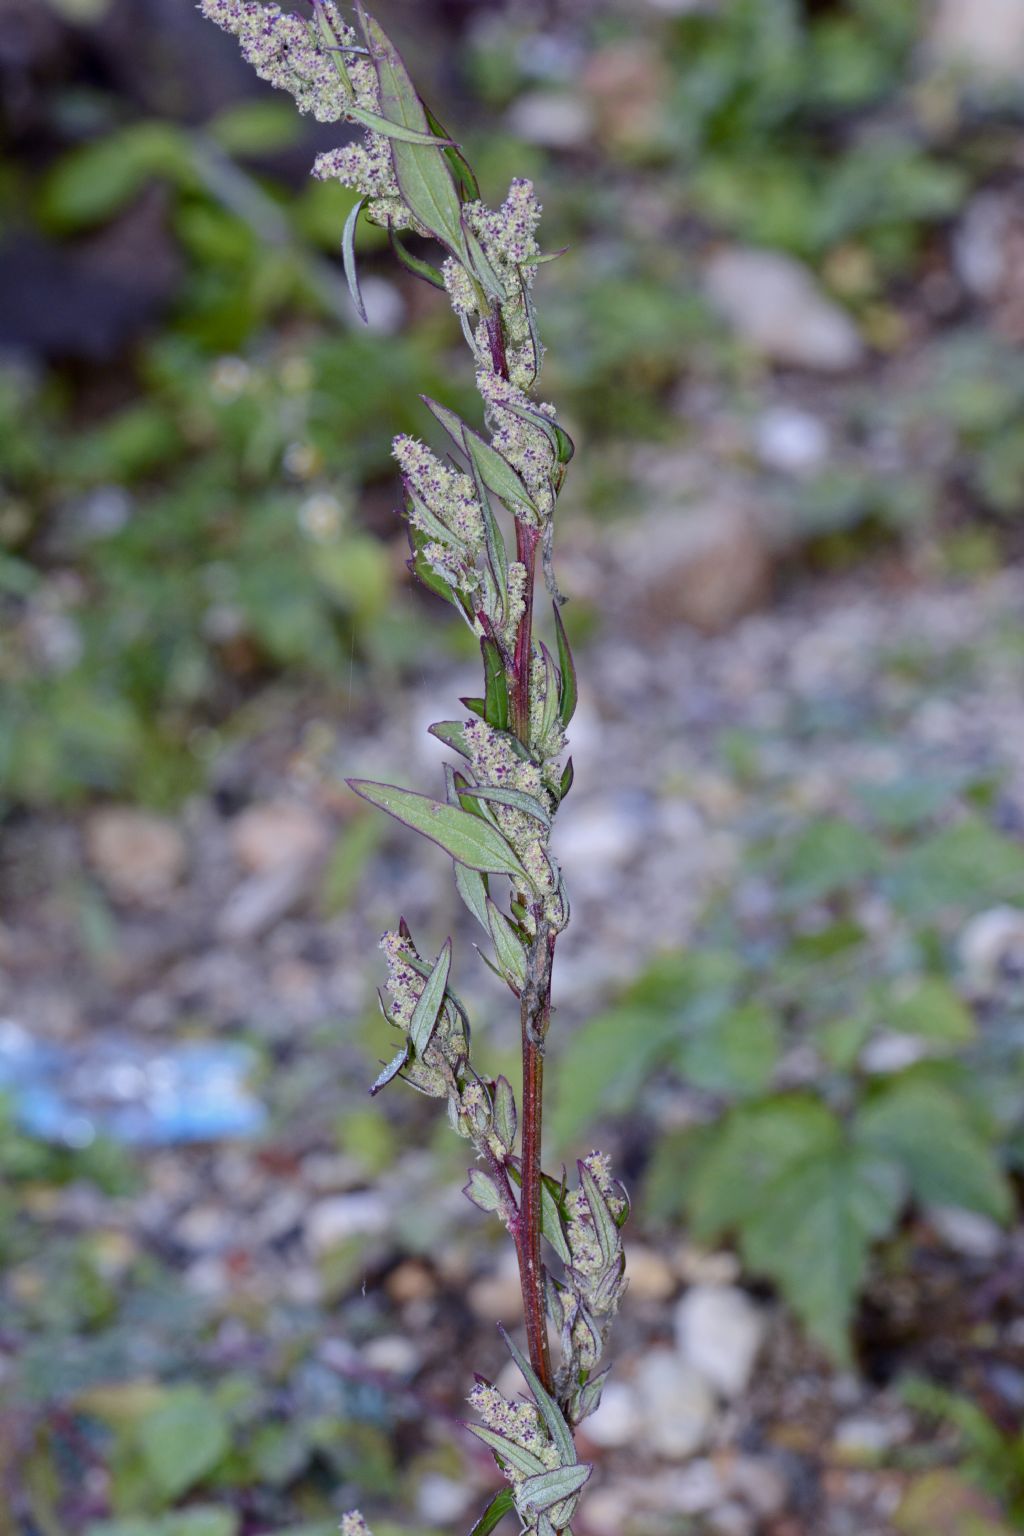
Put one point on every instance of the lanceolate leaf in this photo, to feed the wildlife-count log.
(414, 264)
(551, 1224)
(495, 473)
(472, 887)
(348, 257)
(501, 1505)
(469, 840)
(558, 1429)
(390, 1071)
(378, 124)
(566, 781)
(550, 1488)
(516, 799)
(451, 732)
(469, 187)
(505, 1117)
(496, 705)
(424, 1018)
(604, 1224)
(507, 946)
(523, 1461)
(567, 693)
(421, 170)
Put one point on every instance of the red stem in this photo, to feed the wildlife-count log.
(535, 1016)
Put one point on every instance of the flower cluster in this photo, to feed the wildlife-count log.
(520, 1423)
(444, 506)
(353, 1524)
(434, 1070)
(508, 236)
(289, 53)
(520, 441)
(584, 1307)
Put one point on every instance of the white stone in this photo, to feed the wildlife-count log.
(759, 1483)
(617, 1420)
(138, 856)
(394, 1353)
(440, 1500)
(650, 1274)
(979, 244)
(969, 1232)
(866, 1436)
(890, 1052)
(983, 37)
(991, 942)
(773, 303)
(791, 440)
(676, 1405)
(333, 1221)
(719, 1332)
(556, 119)
(267, 836)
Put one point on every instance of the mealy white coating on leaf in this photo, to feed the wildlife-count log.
(519, 1422)
(404, 988)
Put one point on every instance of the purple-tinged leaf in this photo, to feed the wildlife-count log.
(469, 840)
(551, 1224)
(565, 783)
(390, 1072)
(431, 1000)
(550, 1412)
(481, 266)
(505, 1117)
(550, 1488)
(348, 257)
(523, 1461)
(552, 691)
(475, 706)
(568, 692)
(452, 733)
(483, 1191)
(587, 1398)
(604, 1223)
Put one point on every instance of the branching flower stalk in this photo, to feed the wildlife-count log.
(499, 802)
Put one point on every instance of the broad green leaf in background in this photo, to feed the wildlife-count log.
(829, 857)
(200, 1520)
(930, 1008)
(182, 1439)
(922, 1126)
(813, 1231)
(960, 869)
(734, 1054)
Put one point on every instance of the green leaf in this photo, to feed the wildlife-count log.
(604, 1223)
(348, 257)
(421, 170)
(829, 857)
(962, 868)
(469, 840)
(550, 1412)
(930, 1009)
(390, 1072)
(735, 1054)
(483, 1191)
(414, 264)
(472, 887)
(505, 1117)
(493, 470)
(431, 1000)
(501, 1505)
(523, 1461)
(568, 693)
(737, 1163)
(256, 127)
(197, 1520)
(182, 1439)
(551, 1224)
(550, 1488)
(925, 1128)
(516, 799)
(565, 783)
(496, 704)
(469, 187)
(508, 947)
(813, 1230)
(452, 733)
(392, 130)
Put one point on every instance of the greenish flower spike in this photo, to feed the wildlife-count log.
(480, 522)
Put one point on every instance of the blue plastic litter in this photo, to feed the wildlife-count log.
(141, 1094)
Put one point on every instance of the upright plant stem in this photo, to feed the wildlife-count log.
(535, 1013)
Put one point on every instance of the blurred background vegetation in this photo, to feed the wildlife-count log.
(787, 338)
